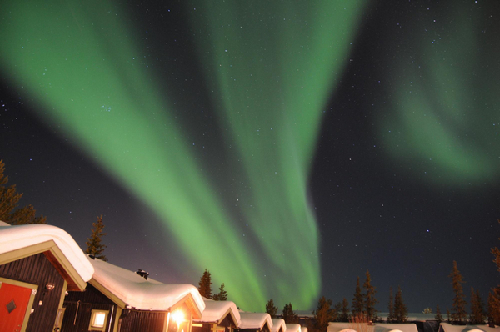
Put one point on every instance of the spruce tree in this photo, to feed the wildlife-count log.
(336, 311)
(9, 199)
(271, 309)
(493, 308)
(448, 316)
(476, 303)
(205, 285)
(357, 301)
(369, 297)
(222, 295)
(400, 311)
(288, 315)
(323, 314)
(344, 316)
(496, 253)
(95, 247)
(390, 307)
(439, 316)
(459, 313)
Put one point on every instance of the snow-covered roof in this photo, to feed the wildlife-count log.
(216, 311)
(304, 329)
(293, 328)
(469, 328)
(255, 320)
(140, 293)
(348, 327)
(17, 237)
(277, 324)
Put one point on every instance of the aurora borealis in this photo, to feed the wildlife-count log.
(284, 146)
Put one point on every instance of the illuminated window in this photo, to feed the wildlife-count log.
(98, 320)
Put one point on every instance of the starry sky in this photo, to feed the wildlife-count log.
(288, 147)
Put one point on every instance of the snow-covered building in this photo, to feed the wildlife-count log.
(279, 325)
(353, 327)
(117, 299)
(255, 322)
(445, 327)
(293, 328)
(38, 264)
(218, 316)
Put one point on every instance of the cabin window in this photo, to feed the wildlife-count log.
(98, 320)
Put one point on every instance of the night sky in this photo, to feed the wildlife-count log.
(287, 147)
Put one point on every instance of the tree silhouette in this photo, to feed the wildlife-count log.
(205, 285)
(9, 199)
(95, 247)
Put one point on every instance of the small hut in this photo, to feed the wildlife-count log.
(218, 316)
(255, 322)
(293, 328)
(279, 325)
(38, 264)
(117, 299)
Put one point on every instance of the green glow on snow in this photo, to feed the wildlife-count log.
(446, 100)
(83, 65)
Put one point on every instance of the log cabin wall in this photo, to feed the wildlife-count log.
(37, 269)
(78, 309)
(141, 320)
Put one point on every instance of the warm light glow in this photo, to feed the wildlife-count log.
(178, 316)
(99, 320)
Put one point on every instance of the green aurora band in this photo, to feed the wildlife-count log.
(272, 73)
(445, 119)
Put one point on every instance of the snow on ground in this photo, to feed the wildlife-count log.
(468, 328)
(277, 323)
(215, 311)
(348, 327)
(14, 237)
(255, 320)
(140, 293)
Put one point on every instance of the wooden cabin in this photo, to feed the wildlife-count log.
(218, 316)
(38, 264)
(255, 322)
(293, 328)
(120, 300)
(279, 325)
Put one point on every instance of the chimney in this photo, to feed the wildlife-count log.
(142, 273)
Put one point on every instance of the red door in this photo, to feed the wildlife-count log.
(13, 304)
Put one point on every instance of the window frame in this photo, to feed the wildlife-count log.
(94, 314)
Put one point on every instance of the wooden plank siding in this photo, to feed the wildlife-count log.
(141, 320)
(37, 269)
(78, 309)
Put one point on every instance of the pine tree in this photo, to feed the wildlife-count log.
(494, 308)
(288, 315)
(390, 307)
(400, 311)
(344, 316)
(205, 285)
(357, 301)
(323, 314)
(369, 297)
(438, 316)
(9, 199)
(271, 309)
(459, 314)
(222, 295)
(448, 316)
(477, 311)
(336, 311)
(94, 245)
(496, 253)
